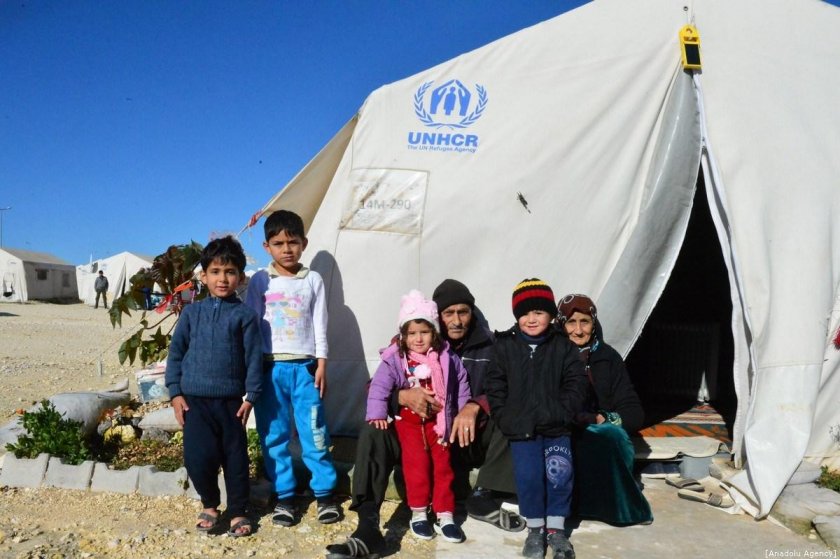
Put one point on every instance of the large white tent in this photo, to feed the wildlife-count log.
(117, 268)
(26, 275)
(570, 151)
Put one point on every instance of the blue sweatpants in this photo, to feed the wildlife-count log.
(289, 386)
(544, 477)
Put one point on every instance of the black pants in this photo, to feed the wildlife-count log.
(214, 437)
(378, 451)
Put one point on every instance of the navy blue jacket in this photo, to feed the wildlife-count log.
(216, 351)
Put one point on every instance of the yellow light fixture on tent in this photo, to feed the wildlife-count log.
(690, 48)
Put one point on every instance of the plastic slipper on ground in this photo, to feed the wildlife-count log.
(510, 521)
(684, 483)
(713, 499)
(234, 529)
(206, 517)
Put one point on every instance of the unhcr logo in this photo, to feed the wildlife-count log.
(447, 108)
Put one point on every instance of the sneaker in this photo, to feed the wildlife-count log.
(422, 529)
(534, 544)
(284, 515)
(451, 532)
(561, 545)
(328, 513)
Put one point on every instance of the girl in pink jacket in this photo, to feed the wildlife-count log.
(420, 357)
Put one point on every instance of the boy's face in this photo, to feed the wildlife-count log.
(285, 250)
(221, 279)
(534, 323)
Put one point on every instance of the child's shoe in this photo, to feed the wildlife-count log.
(451, 532)
(422, 529)
(534, 544)
(328, 512)
(561, 545)
(285, 514)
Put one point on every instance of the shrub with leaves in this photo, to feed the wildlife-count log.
(255, 455)
(830, 479)
(172, 272)
(47, 431)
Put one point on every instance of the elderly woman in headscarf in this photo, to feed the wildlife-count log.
(605, 487)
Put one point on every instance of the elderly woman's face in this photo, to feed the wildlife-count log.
(579, 327)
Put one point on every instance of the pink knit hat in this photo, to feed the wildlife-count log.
(414, 306)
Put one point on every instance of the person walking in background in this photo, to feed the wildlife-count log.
(291, 303)
(101, 288)
(215, 359)
(536, 386)
(420, 357)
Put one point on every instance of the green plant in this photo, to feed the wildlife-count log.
(171, 272)
(830, 479)
(255, 455)
(47, 431)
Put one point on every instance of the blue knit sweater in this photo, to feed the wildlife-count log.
(216, 351)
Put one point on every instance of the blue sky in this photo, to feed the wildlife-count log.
(133, 125)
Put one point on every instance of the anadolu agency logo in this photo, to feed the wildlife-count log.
(446, 110)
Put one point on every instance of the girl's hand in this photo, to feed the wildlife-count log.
(379, 423)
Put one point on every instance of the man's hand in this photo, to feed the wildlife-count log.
(180, 406)
(321, 376)
(463, 426)
(419, 400)
(244, 412)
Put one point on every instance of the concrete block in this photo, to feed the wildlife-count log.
(114, 481)
(163, 418)
(24, 472)
(805, 473)
(68, 476)
(695, 468)
(154, 483)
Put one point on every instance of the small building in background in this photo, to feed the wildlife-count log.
(26, 275)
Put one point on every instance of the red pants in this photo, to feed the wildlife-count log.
(425, 464)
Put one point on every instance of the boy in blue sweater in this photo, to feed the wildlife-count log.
(215, 358)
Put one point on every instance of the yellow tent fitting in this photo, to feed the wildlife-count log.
(690, 48)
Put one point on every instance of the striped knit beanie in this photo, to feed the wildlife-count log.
(533, 295)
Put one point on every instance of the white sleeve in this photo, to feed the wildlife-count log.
(319, 316)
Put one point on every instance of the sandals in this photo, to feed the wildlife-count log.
(351, 549)
(233, 532)
(207, 517)
(509, 521)
(684, 483)
(712, 499)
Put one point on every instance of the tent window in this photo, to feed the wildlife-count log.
(41, 275)
(65, 279)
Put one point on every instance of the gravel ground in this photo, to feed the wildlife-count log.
(46, 349)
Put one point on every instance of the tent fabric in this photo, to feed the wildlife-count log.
(117, 268)
(26, 275)
(569, 151)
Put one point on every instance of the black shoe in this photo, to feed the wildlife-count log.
(534, 544)
(451, 532)
(422, 529)
(284, 515)
(561, 545)
(328, 512)
(351, 549)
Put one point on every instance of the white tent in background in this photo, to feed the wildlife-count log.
(27, 276)
(570, 151)
(117, 268)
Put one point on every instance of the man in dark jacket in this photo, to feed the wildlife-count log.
(476, 441)
(101, 288)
